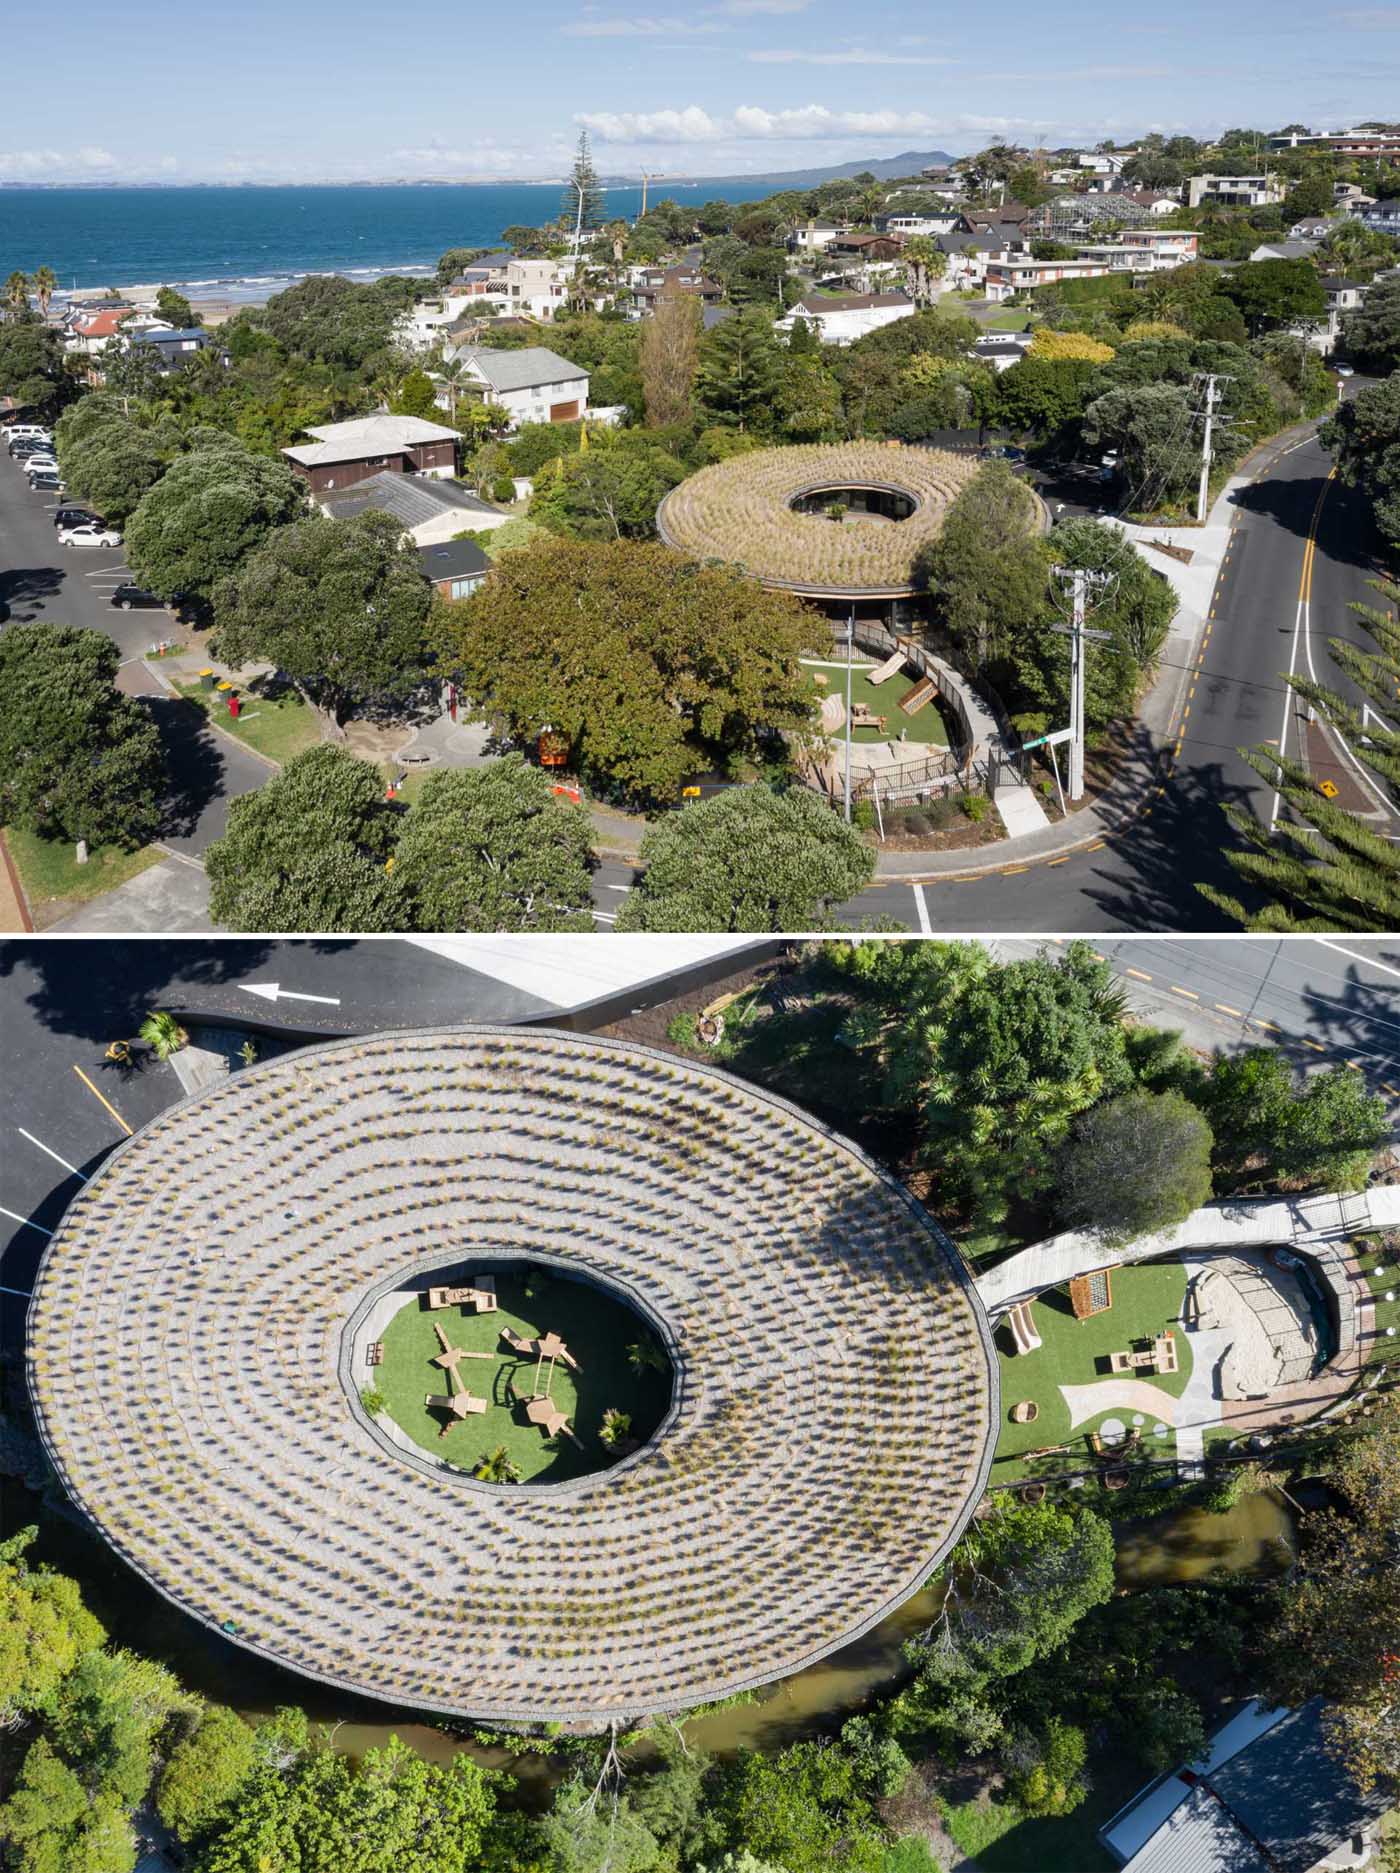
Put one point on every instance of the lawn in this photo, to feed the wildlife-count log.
(597, 1330)
(1146, 1299)
(925, 726)
(52, 876)
(1006, 322)
(1004, 1840)
(1382, 1252)
(275, 723)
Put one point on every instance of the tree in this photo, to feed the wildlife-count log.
(339, 606)
(1338, 1632)
(587, 1835)
(44, 1630)
(33, 369)
(417, 396)
(454, 262)
(1075, 347)
(1276, 292)
(1029, 1574)
(55, 1825)
(1364, 437)
(205, 1772)
(497, 1466)
(1045, 1770)
(925, 263)
(647, 664)
(109, 1711)
(45, 285)
(584, 206)
(608, 491)
(176, 308)
(17, 293)
(749, 859)
(1135, 1165)
(162, 1033)
(78, 760)
(494, 849)
(803, 1807)
(1324, 1131)
(738, 370)
(986, 570)
(1149, 426)
(206, 514)
(669, 357)
(110, 460)
(1044, 394)
(308, 850)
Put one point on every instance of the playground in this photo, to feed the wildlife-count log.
(503, 1370)
(873, 704)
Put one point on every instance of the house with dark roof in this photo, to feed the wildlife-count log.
(1269, 1796)
(534, 384)
(455, 569)
(429, 511)
(866, 247)
(174, 349)
(653, 284)
(343, 453)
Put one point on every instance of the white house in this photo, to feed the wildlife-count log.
(431, 319)
(430, 512)
(1009, 274)
(1235, 191)
(534, 385)
(813, 237)
(538, 288)
(841, 319)
(923, 224)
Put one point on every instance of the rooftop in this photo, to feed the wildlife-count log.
(413, 499)
(454, 559)
(816, 304)
(195, 1372)
(368, 435)
(520, 370)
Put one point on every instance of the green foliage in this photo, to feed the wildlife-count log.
(307, 851)
(373, 1400)
(493, 849)
(176, 308)
(1371, 331)
(881, 1766)
(1135, 1164)
(738, 373)
(537, 443)
(332, 321)
(1270, 1122)
(205, 1772)
(1045, 1771)
(1149, 426)
(451, 264)
(162, 1033)
(611, 491)
(110, 459)
(206, 514)
(1364, 437)
(339, 606)
(33, 369)
(748, 859)
(44, 1630)
(648, 664)
(110, 1710)
(1270, 293)
(804, 1807)
(54, 1824)
(599, 1837)
(417, 396)
(78, 760)
(987, 571)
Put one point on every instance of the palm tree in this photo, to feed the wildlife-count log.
(163, 1034)
(45, 280)
(449, 372)
(497, 1466)
(17, 291)
(925, 262)
(646, 1356)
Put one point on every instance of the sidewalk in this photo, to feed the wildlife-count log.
(14, 912)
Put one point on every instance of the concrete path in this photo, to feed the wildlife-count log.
(172, 898)
(1087, 1401)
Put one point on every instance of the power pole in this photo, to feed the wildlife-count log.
(1212, 396)
(850, 644)
(1077, 585)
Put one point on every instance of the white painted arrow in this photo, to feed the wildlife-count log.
(272, 992)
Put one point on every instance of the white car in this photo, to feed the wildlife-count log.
(90, 535)
(41, 465)
(1344, 370)
(10, 430)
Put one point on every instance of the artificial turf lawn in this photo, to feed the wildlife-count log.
(597, 1330)
(925, 727)
(1146, 1299)
(52, 877)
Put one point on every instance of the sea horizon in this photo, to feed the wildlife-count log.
(235, 243)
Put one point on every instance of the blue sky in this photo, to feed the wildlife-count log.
(339, 89)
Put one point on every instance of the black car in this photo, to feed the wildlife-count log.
(46, 484)
(75, 517)
(136, 598)
(24, 446)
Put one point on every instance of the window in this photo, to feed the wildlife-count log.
(463, 588)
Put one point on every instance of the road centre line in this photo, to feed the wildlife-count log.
(50, 1154)
(24, 1221)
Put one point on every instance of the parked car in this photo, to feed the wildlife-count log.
(41, 465)
(92, 533)
(24, 446)
(1344, 370)
(47, 484)
(11, 430)
(136, 598)
(76, 517)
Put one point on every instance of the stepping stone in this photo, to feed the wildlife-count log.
(1138, 1418)
(1159, 1430)
(1111, 1427)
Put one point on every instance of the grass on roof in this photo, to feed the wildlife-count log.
(1146, 1299)
(597, 1330)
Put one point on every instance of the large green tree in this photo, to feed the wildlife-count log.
(308, 850)
(44, 1630)
(1150, 428)
(78, 760)
(1269, 1122)
(738, 373)
(339, 606)
(609, 491)
(1134, 1165)
(494, 849)
(987, 570)
(648, 664)
(205, 1772)
(206, 514)
(33, 369)
(56, 1822)
(1270, 293)
(1364, 437)
(748, 859)
(109, 459)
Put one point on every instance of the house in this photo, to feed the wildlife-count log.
(1267, 1797)
(814, 237)
(1343, 296)
(1161, 248)
(654, 284)
(1010, 274)
(344, 453)
(539, 288)
(841, 318)
(431, 320)
(1105, 163)
(1348, 195)
(429, 511)
(969, 255)
(1284, 250)
(1312, 228)
(1001, 349)
(456, 568)
(535, 385)
(174, 349)
(1234, 191)
(1341, 142)
(906, 225)
(1153, 200)
(94, 331)
(866, 247)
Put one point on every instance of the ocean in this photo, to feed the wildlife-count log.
(246, 243)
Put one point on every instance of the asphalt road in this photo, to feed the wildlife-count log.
(41, 580)
(63, 1108)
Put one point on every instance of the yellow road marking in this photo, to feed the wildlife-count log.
(1097, 846)
(106, 1102)
(1058, 861)
(1272, 1026)
(1316, 1046)
(1190, 994)
(1226, 1009)
(1138, 973)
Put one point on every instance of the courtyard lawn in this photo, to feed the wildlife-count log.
(1003, 1839)
(53, 880)
(1380, 1252)
(1146, 1299)
(597, 1330)
(1006, 322)
(278, 725)
(925, 726)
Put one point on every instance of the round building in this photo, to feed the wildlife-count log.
(232, 1328)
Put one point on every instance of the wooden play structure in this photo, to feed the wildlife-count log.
(1091, 1294)
(1021, 1327)
(1158, 1356)
(480, 1295)
(540, 1408)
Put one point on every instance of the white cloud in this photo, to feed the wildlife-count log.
(648, 26)
(852, 56)
(810, 123)
(744, 8)
(25, 163)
